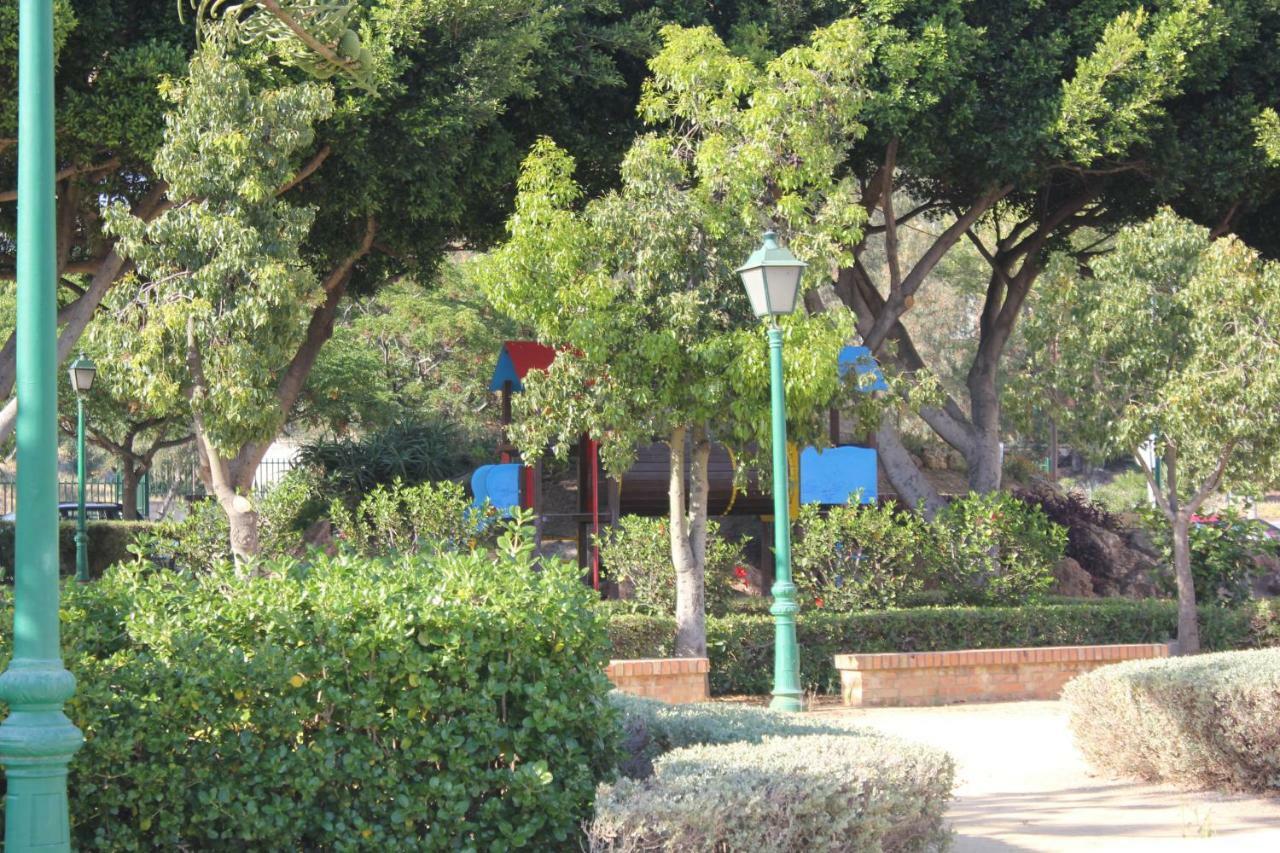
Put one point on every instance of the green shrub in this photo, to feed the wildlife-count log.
(783, 794)
(416, 703)
(1222, 555)
(995, 549)
(429, 517)
(858, 557)
(409, 452)
(109, 543)
(741, 646)
(638, 553)
(1206, 720)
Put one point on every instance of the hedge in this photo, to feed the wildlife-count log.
(1206, 720)
(782, 795)
(108, 544)
(350, 704)
(741, 645)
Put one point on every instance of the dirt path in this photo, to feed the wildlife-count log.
(1022, 786)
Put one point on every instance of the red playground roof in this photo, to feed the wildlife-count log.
(516, 359)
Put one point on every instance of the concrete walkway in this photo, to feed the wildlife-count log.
(1022, 786)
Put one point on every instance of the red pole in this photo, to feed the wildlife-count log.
(593, 454)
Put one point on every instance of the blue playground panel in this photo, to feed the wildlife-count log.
(834, 475)
(499, 484)
(860, 360)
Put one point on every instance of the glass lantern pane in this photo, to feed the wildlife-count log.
(753, 281)
(783, 285)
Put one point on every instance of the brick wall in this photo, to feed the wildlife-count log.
(940, 678)
(667, 679)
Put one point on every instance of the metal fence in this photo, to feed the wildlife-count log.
(189, 486)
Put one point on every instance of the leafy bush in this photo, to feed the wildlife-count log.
(858, 557)
(430, 517)
(410, 452)
(638, 553)
(1222, 555)
(416, 703)
(109, 543)
(817, 792)
(1205, 720)
(994, 549)
(741, 646)
(651, 728)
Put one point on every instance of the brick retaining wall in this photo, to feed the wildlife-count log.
(667, 679)
(940, 678)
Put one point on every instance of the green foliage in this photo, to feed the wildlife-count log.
(1207, 720)
(814, 792)
(638, 553)
(1177, 339)
(857, 557)
(350, 704)
(407, 349)
(1222, 555)
(110, 542)
(427, 518)
(995, 549)
(408, 452)
(741, 646)
(226, 292)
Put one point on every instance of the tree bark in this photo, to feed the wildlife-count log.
(129, 490)
(1188, 618)
(691, 620)
(910, 483)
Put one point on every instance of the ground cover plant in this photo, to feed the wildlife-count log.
(1208, 720)
(425, 703)
(731, 777)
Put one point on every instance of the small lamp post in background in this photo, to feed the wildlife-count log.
(82, 371)
(771, 277)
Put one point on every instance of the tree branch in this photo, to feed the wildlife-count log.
(69, 172)
(307, 170)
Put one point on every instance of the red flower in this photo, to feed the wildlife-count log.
(740, 573)
(817, 602)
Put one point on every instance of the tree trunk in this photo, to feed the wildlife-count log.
(243, 519)
(984, 456)
(913, 488)
(691, 620)
(129, 489)
(1188, 618)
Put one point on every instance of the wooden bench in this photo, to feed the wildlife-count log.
(974, 675)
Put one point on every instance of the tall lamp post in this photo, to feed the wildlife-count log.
(36, 739)
(82, 371)
(771, 277)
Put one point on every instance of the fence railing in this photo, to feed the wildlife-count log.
(269, 473)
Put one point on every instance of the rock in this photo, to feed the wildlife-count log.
(935, 458)
(1071, 580)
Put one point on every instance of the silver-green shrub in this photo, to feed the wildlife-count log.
(1208, 720)
(827, 792)
(651, 728)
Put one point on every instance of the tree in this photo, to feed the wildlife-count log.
(225, 294)
(1178, 339)
(638, 287)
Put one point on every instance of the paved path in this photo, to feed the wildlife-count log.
(1021, 786)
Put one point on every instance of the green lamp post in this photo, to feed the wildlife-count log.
(36, 739)
(82, 371)
(771, 277)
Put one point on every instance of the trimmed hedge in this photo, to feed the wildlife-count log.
(1205, 720)
(741, 645)
(108, 544)
(783, 794)
(650, 727)
(351, 704)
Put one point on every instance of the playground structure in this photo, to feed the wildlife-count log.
(830, 476)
